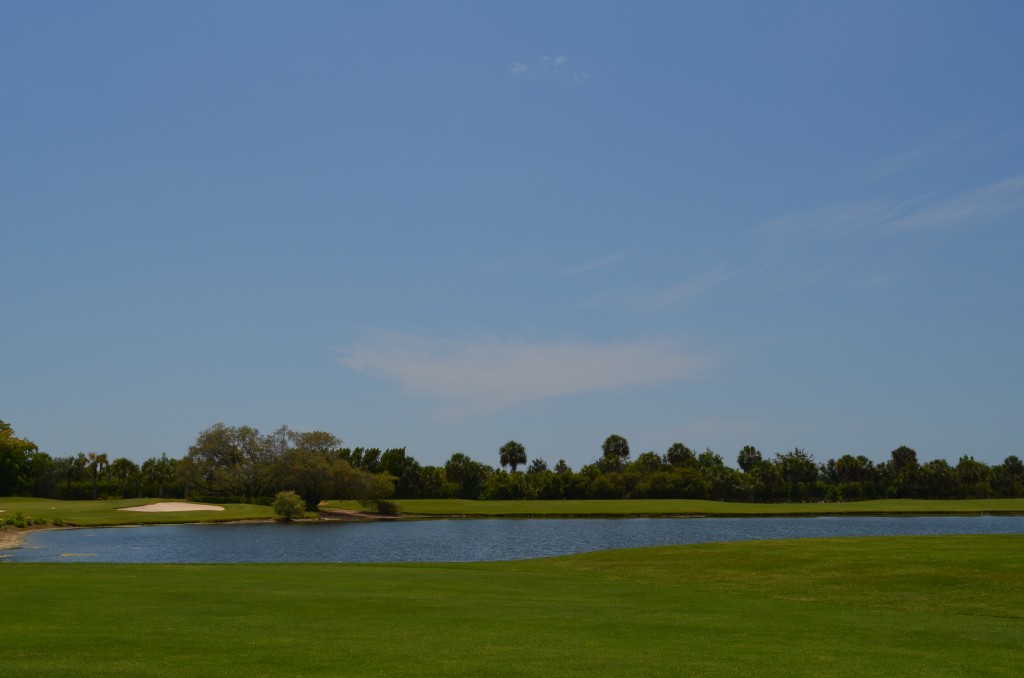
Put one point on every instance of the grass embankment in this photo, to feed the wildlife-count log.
(88, 513)
(924, 606)
(654, 507)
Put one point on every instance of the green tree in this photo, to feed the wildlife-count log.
(468, 475)
(562, 468)
(798, 470)
(312, 474)
(15, 459)
(538, 465)
(974, 477)
(648, 462)
(69, 469)
(1014, 469)
(902, 457)
(680, 455)
(616, 446)
(748, 458)
(126, 473)
(512, 454)
(289, 505)
(158, 472)
(97, 463)
(236, 461)
(709, 460)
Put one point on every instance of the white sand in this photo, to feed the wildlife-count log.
(166, 506)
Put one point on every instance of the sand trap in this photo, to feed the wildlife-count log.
(166, 506)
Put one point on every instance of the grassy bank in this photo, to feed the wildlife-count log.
(924, 606)
(89, 513)
(653, 507)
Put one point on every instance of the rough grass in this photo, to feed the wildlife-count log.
(632, 507)
(88, 513)
(909, 606)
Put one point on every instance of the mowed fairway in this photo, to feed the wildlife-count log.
(83, 513)
(922, 606)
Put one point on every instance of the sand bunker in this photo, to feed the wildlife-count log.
(166, 506)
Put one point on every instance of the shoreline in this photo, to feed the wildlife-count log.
(12, 539)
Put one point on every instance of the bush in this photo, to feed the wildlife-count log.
(289, 505)
(386, 507)
(58, 522)
(39, 521)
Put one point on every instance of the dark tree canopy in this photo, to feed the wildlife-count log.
(512, 454)
(902, 457)
(748, 458)
(538, 465)
(616, 446)
(680, 455)
(15, 460)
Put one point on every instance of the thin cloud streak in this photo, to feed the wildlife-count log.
(596, 263)
(901, 161)
(981, 205)
(493, 374)
(555, 68)
(681, 292)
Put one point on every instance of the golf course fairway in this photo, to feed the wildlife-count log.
(912, 606)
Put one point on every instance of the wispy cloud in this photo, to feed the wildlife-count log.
(838, 219)
(595, 263)
(922, 213)
(492, 374)
(982, 205)
(556, 68)
(647, 299)
(901, 161)
(692, 288)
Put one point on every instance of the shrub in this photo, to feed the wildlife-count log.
(384, 507)
(289, 505)
(58, 522)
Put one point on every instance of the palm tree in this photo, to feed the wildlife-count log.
(98, 462)
(70, 468)
(512, 454)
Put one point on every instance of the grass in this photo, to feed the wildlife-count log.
(88, 513)
(909, 606)
(629, 507)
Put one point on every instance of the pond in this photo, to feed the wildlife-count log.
(456, 540)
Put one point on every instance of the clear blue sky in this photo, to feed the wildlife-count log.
(445, 225)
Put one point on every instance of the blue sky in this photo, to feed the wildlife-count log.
(445, 225)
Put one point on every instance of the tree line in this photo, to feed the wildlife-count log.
(239, 463)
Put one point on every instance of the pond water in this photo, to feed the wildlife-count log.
(455, 540)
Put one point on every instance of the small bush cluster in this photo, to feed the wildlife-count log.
(22, 521)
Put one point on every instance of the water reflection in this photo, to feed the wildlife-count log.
(457, 540)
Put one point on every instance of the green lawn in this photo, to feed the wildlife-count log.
(626, 507)
(89, 513)
(911, 606)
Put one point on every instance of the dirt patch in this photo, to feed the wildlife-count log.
(349, 514)
(11, 539)
(172, 506)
